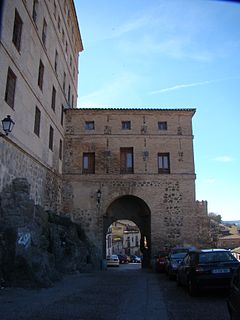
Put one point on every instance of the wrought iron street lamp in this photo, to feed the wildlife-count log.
(7, 124)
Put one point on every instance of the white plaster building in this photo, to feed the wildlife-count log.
(39, 46)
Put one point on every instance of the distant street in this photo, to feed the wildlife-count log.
(127, 292)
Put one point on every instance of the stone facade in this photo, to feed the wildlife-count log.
(162, 205)
(45, 31)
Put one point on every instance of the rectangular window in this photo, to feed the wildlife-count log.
(53, 104)
(35, 8)
(71, 61)
(37, 121)
(69, 94)
(40, 75)
(54, 10)
(88, 162)
(62, 115)
(10, 88)
(126, 125)
(17, 31)
(51, 138)
(60, 149)
(89, 125)
(64, 82)
(126, 160)
(59, 23)
(44, 32)
(56, 61)
(63, 35)
(163, 163)
(72, 101)
(162, 125)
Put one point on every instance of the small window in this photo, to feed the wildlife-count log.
(10, 88)
(53, 104)
(72, 101)
(88, 162)
(35, 8)
(37, 121)
(62, 115)
(17, 31)
(40, 75)
(126, 160)
(60, 149)
(66, 47)
(51, 138)
(56, 61)
(44, 32)
(71, 61)
(63, 35)
(69, 94)
(64, 82)
(126, 125)
(59, 23)
(89, 125)
(162, 125)
(163, 163)
(54, 9)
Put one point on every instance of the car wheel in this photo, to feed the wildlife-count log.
(192, 288)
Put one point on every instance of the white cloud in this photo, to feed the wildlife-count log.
(187, 85)
(110, 92)
(224, 159)
(210, 181)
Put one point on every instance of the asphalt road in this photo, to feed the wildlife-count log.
(127, 292)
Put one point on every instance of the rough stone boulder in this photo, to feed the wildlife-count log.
(37, 247)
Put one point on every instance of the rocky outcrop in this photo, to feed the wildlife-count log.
(37, 247)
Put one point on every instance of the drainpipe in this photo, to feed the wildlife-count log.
(1, 16)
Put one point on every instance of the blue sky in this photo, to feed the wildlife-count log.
(172, 54)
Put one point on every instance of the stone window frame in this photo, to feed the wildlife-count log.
(44, 32)
(17, 31)
(89, 125)
(51, 133)
(126, 125)
(56, 61)
(126, 160)
(162, 125)
(10, 88)
(60, 149)
(37, 121)
(35, 10)
(62, 115)
(53, 102)
(88, 163)
(40, 75)
(163, 162)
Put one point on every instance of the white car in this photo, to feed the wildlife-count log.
(112, 261)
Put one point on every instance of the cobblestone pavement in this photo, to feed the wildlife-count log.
(127, 292)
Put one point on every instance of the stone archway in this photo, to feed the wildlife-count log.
(131, 208)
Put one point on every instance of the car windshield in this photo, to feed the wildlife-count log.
(179, 255)
(211, 257)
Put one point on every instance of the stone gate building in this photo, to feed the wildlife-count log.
(134, 164)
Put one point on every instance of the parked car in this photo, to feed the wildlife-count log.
(112, 261)
(174, 258)
(233, 301)
(206, 269)
(135, 259)
(122, 258)
(160, 261)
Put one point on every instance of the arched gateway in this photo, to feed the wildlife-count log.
(131, 208)
(138, 165)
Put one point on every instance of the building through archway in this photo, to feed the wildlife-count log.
(131, 208)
